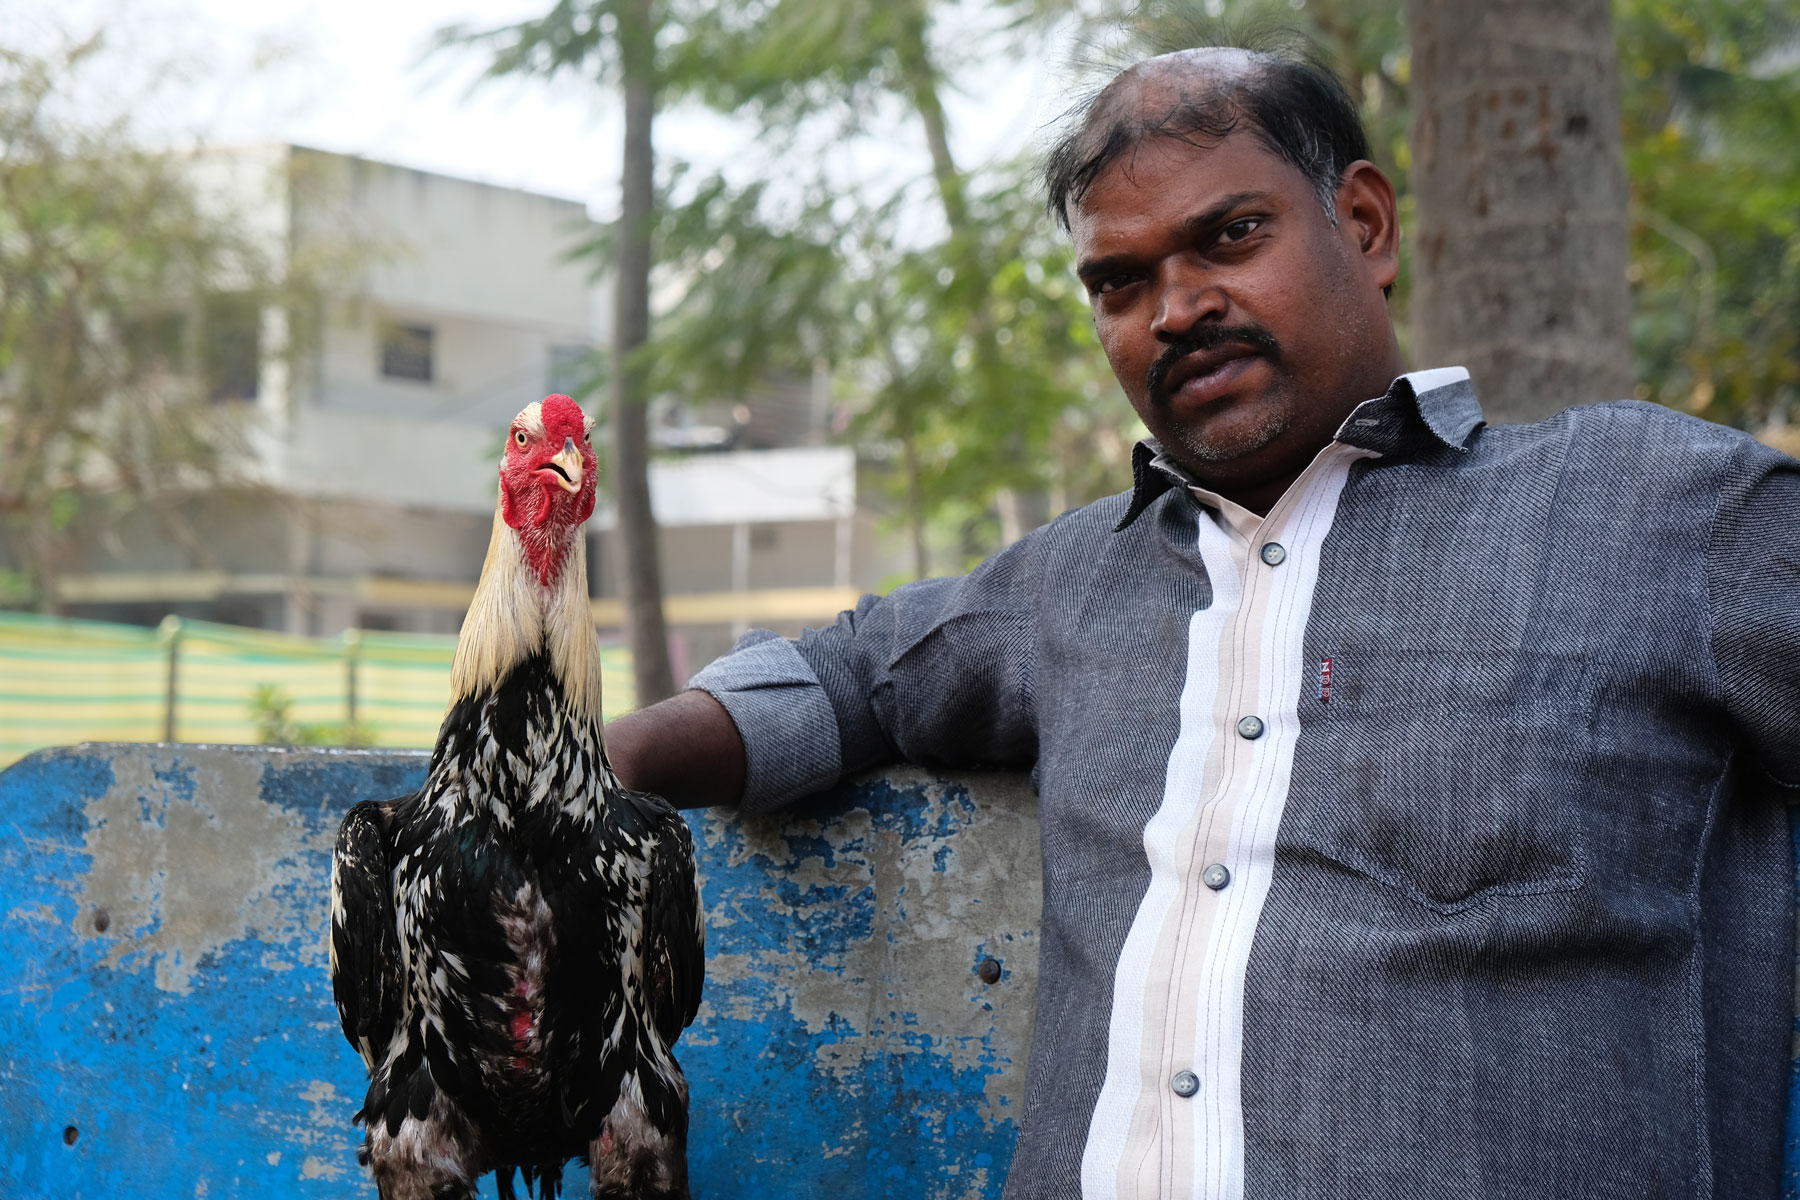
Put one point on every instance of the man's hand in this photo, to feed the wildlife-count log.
(686, 749)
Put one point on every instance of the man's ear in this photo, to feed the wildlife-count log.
(1369, 216)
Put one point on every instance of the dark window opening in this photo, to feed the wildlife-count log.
(230, 348)
(406, 352)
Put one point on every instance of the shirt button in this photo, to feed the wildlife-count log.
(1215, 876)
(1185, 1083)
(1250, 727)
(1274, 553)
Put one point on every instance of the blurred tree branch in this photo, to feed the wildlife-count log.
(127, 293)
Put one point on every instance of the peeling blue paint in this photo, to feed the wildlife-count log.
(845, 1045)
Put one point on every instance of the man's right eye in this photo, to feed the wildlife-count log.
(1240, 229)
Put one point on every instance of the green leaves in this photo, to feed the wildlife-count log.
(572, 38)
(126, 296)
(963, 348)
(759, 295)
(271, 711)
(1712, 113)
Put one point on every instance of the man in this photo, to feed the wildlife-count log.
(1410, 789)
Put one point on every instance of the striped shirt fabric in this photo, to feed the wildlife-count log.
(1422, 838)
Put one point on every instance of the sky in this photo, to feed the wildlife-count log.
(355, 76)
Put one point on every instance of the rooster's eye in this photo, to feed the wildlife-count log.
(519, 436)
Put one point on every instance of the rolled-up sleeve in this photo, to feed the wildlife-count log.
(938, 672)
(1754, 578)
(789, 731)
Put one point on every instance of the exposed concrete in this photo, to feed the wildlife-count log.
(183, 864)
(966, 888)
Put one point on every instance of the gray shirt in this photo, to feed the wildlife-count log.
(1423, 838)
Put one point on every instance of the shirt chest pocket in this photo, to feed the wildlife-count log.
(1455, 779)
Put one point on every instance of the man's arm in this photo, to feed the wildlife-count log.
(686, 749)
(939, 672)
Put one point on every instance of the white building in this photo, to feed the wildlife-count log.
(378, 435)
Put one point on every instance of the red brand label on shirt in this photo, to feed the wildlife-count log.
(1324, 681)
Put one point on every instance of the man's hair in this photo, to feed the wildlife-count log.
(1293, 104)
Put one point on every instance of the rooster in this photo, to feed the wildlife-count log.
(516, 946)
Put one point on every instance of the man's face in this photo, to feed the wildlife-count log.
(1236, 316)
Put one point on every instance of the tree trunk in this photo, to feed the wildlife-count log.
(1519, 170)
(922, 85)
(640, 572)
(915, 501)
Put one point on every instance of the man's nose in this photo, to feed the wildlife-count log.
(1187, 299)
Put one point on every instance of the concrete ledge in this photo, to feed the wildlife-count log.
(166, 1026)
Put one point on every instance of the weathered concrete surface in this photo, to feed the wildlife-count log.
(845, 993)
(166, 1026)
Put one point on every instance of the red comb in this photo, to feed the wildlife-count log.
(562, 417)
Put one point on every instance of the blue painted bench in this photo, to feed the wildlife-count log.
(166, 1025)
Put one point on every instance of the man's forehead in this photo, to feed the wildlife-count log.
(1165, 179)
(1148, 106)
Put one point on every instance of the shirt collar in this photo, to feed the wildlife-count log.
(1438, 406)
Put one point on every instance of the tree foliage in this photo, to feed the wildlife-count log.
(130, 306)
(964, 346)
(1712, 120)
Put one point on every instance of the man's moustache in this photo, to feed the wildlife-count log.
(1207, 337)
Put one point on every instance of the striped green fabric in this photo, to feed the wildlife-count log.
(64, 681)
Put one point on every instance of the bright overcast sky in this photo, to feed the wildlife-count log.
(352, 76)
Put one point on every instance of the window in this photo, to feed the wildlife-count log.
(233, 329)
(406, 351)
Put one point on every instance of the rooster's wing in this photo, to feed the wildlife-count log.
(675, 950)
(365, 954)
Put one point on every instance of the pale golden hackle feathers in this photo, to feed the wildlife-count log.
(513, 615)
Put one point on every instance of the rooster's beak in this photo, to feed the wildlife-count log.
(569, 459)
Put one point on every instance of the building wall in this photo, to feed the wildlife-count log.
(352, 540)
(484, 371)
(452, 245)
(371, 479)
(486, 270)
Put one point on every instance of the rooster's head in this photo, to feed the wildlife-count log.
(547, 480)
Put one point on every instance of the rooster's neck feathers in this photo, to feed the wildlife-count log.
(515, 614)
